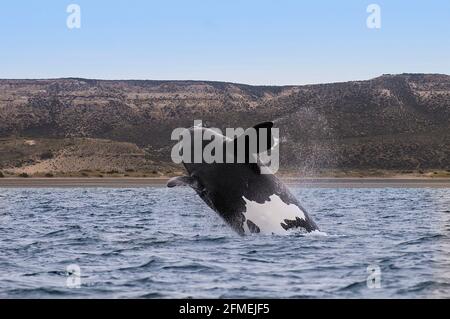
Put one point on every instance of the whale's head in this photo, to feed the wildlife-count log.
(214, 160)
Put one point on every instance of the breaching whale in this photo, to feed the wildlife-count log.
(247, 200)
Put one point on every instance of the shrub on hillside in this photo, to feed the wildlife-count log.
(46, 155)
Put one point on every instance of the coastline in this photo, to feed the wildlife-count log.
(319, 182)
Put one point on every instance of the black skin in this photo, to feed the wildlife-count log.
(222, 187)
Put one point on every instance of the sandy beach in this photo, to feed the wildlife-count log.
(303, 182)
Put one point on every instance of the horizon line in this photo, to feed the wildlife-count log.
(216, 81)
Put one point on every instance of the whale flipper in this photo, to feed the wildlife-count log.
(185, 181)
(181, 181)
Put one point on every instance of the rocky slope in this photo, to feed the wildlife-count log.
(393, 122)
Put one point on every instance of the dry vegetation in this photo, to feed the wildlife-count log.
(393, 124)
(78, 157)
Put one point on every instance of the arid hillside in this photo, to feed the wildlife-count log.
(390, 123)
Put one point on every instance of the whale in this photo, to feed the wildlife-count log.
(248, 197)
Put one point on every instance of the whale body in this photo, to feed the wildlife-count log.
(247, 200)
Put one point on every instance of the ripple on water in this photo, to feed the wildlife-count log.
(156, 243)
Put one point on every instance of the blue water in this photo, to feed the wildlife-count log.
(166, 243)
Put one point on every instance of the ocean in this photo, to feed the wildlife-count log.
(155, 242)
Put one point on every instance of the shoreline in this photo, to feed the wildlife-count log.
(312, 182)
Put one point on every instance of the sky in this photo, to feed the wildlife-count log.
(265, 42)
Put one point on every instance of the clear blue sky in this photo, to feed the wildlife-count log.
(247, 41)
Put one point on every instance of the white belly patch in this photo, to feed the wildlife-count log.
(269, 215)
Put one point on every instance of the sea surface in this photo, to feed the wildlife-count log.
(156, 242)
